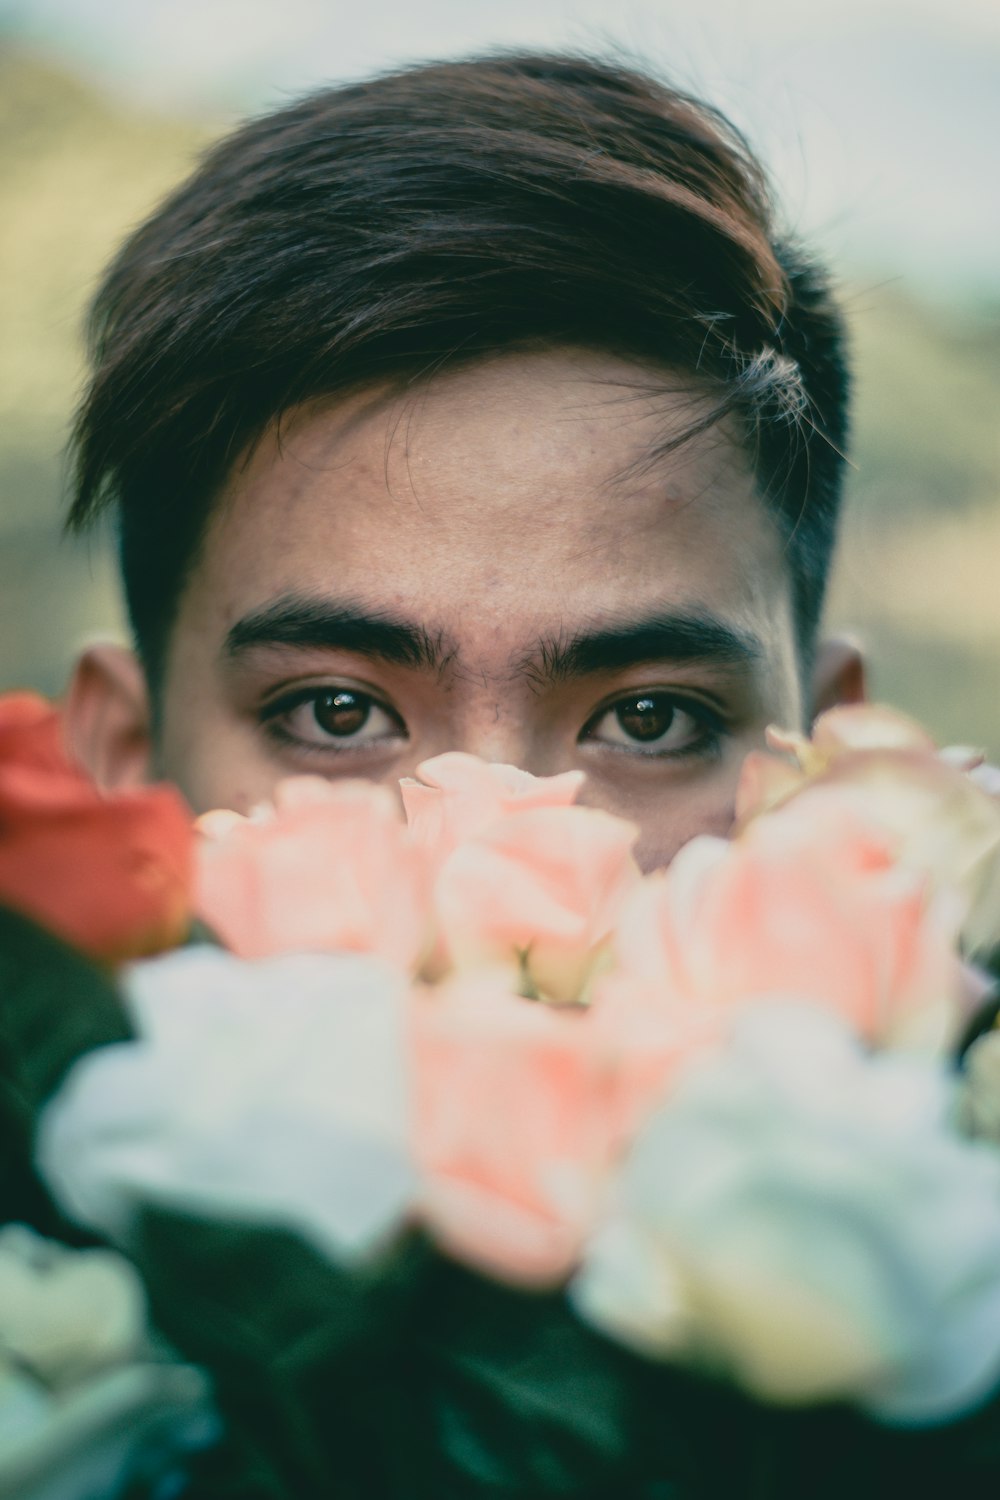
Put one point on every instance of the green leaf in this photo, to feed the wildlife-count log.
(303, 1352)
(404, 1377)
(54, 1007)
(519, 1397)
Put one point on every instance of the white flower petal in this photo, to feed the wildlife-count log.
(271, 1091)
(65, 1313)
(802, 1215)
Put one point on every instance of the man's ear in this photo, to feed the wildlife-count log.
(107, 716)
(839, 674)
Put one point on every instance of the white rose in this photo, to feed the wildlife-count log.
(66, 1313)
(801, 1217)
(270, 1091)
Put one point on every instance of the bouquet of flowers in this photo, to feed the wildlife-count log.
(421, 1146)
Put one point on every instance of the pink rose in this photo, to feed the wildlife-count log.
(331, 868)
(871, 765)
(458, 795)
(537, 893)
(518, 1116)
(805, 908)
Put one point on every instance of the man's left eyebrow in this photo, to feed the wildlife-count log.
(675, 638)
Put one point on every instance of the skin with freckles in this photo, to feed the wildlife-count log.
(486, 562)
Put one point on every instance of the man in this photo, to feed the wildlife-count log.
(482, 407)
(476, 407)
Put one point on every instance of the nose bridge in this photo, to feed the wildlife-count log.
(497, 716)
(498, 731)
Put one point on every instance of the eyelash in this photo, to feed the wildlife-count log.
(271, 714)
(706, 744)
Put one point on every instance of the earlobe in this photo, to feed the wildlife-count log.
(107, 716)
(840, 674)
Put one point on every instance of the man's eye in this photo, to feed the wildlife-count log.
(332, 718)
(655, 724)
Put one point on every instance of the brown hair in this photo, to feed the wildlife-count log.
(430, 215)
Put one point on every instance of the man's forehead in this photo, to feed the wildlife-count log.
(504, 542)
(596, 426)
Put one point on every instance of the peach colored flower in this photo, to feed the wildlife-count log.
(874, 765)
(331, 868)
(538, 893)
(809, 909)
(110, 873)
(459, 795)
(518, 1117)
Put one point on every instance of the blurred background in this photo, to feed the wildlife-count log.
(879, 120)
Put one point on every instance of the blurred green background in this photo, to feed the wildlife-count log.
(89, 144)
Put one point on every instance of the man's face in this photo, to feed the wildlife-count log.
(485, 563)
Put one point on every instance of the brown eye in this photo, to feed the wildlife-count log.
(656, 724)
(332, 718)
(342, 713)
(646, 718)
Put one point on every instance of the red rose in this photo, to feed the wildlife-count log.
(110, 873)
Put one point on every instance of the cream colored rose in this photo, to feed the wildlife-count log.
(65, 1314)
(801, 1218)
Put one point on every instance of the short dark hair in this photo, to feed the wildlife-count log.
(431, 215)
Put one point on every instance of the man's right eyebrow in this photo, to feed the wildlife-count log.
(304, 623)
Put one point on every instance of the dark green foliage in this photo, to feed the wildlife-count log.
(54, 1006)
